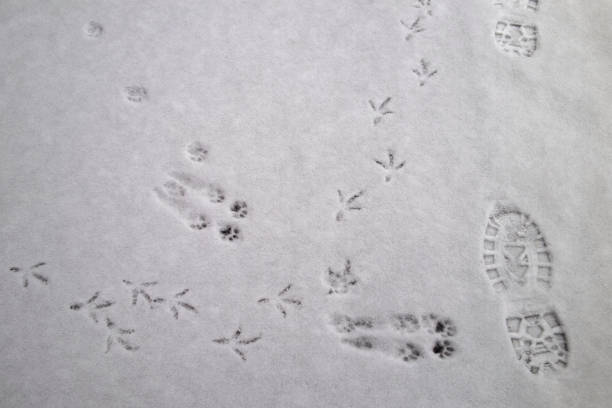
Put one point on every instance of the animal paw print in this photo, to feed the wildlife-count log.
(136, 94)
(405, 322)
(412, 28)
(424, 72)
(443, 348)
(281, 300)
(93, 305)
(230, 232)
(439, 325)
(389, 166)
(93, 29)
(345, 324)
(216, 194)
(380, 110)
(361, 342)
(175, 303)
(340, 282)
(196, 152)
(239, 209)
(347, 205)
(409, 352)
(26, 274)
(237, 343)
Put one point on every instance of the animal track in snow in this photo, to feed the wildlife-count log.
(398, 335)
(281, 300)
(172, 195)
(340, 282)
(424, 72)
(389, 166)
(237, 342)
(118, 335)
(348, 204)
(26, 274)
(380, 110)
(516, 37)
(518, 262)
(136, 94)
(196, 152)
(93, 306)
(425, 6)
(142, 290)
(412, 28)
(93, 29)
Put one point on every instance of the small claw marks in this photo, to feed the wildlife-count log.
(380, 110)
(237, 343)
(348, 204)
(282, 300)
(389, 165)
(340, 282)
(30, 273)
(424, 72)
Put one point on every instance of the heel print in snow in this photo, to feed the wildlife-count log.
(518, 263)
(538, 339)
(516, 37)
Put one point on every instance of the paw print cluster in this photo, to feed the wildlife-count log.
(400, 336)
(199, 203)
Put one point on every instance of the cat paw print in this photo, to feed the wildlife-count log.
(196, 152)
(437, 325)
(239, 209)
(404, 322)
(443, 348)
(409, 352)
(230, 232)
